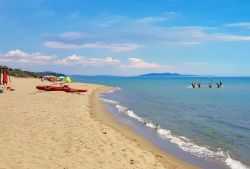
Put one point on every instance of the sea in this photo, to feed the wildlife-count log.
(208, 127)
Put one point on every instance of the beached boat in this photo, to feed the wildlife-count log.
(64, 88)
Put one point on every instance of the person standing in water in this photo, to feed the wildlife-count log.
(193, 84)
(199, 85)
(210, 85)
(218, 85)
(221, 84)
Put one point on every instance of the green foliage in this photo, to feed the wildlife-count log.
(23, 73)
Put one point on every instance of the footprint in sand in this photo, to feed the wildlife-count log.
(132, 162)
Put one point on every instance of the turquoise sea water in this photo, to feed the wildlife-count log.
(213, 124)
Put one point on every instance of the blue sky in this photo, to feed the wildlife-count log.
(126, 37)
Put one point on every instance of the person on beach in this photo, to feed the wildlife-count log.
(5, 77)
(41, 78)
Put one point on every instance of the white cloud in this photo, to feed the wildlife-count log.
(115, 47)
(150, 20)
(60, 45)
(225, 37)
(141, 64)
(238, 25)
(188, 35)
(17, 53)
(197, 35)
(42, 57)
(106, 20)
(72, 35)
(19, 56)
(72, 58)
(156, 19)
(133, 38)
(67, 36)
(84, 61)
(171, 13)
(107, 60)
(135, 63)
(4, 60)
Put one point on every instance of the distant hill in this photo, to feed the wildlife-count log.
(95, 76)
(165, 75)
(144, 75)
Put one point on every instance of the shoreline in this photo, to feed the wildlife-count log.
(100, 113)
(149, 132)
(132, 115)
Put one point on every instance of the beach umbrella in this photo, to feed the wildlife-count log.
(68, 79)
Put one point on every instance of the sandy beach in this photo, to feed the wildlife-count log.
(41, 130)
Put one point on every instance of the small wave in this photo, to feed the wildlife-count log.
(121, 108)
(235, 164)
(128, 112)
(109, 101)
(151, 125)
(118, 88)
(132, 114)
(187, 145)
(114, 89)
(201, 151)
(182, 142)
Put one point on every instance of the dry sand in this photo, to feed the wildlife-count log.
(50, 130)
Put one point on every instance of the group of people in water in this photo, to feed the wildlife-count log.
(210, 85)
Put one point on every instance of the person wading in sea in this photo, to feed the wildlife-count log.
(210, 85)
(221, 84)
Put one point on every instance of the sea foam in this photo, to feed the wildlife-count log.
(114, 89)
(234, 164)
(109, 101)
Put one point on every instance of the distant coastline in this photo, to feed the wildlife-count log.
(145, 75)
(166, 75)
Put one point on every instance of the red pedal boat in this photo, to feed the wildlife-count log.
(64, 88)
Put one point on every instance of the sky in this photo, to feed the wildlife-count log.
(126, 37)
